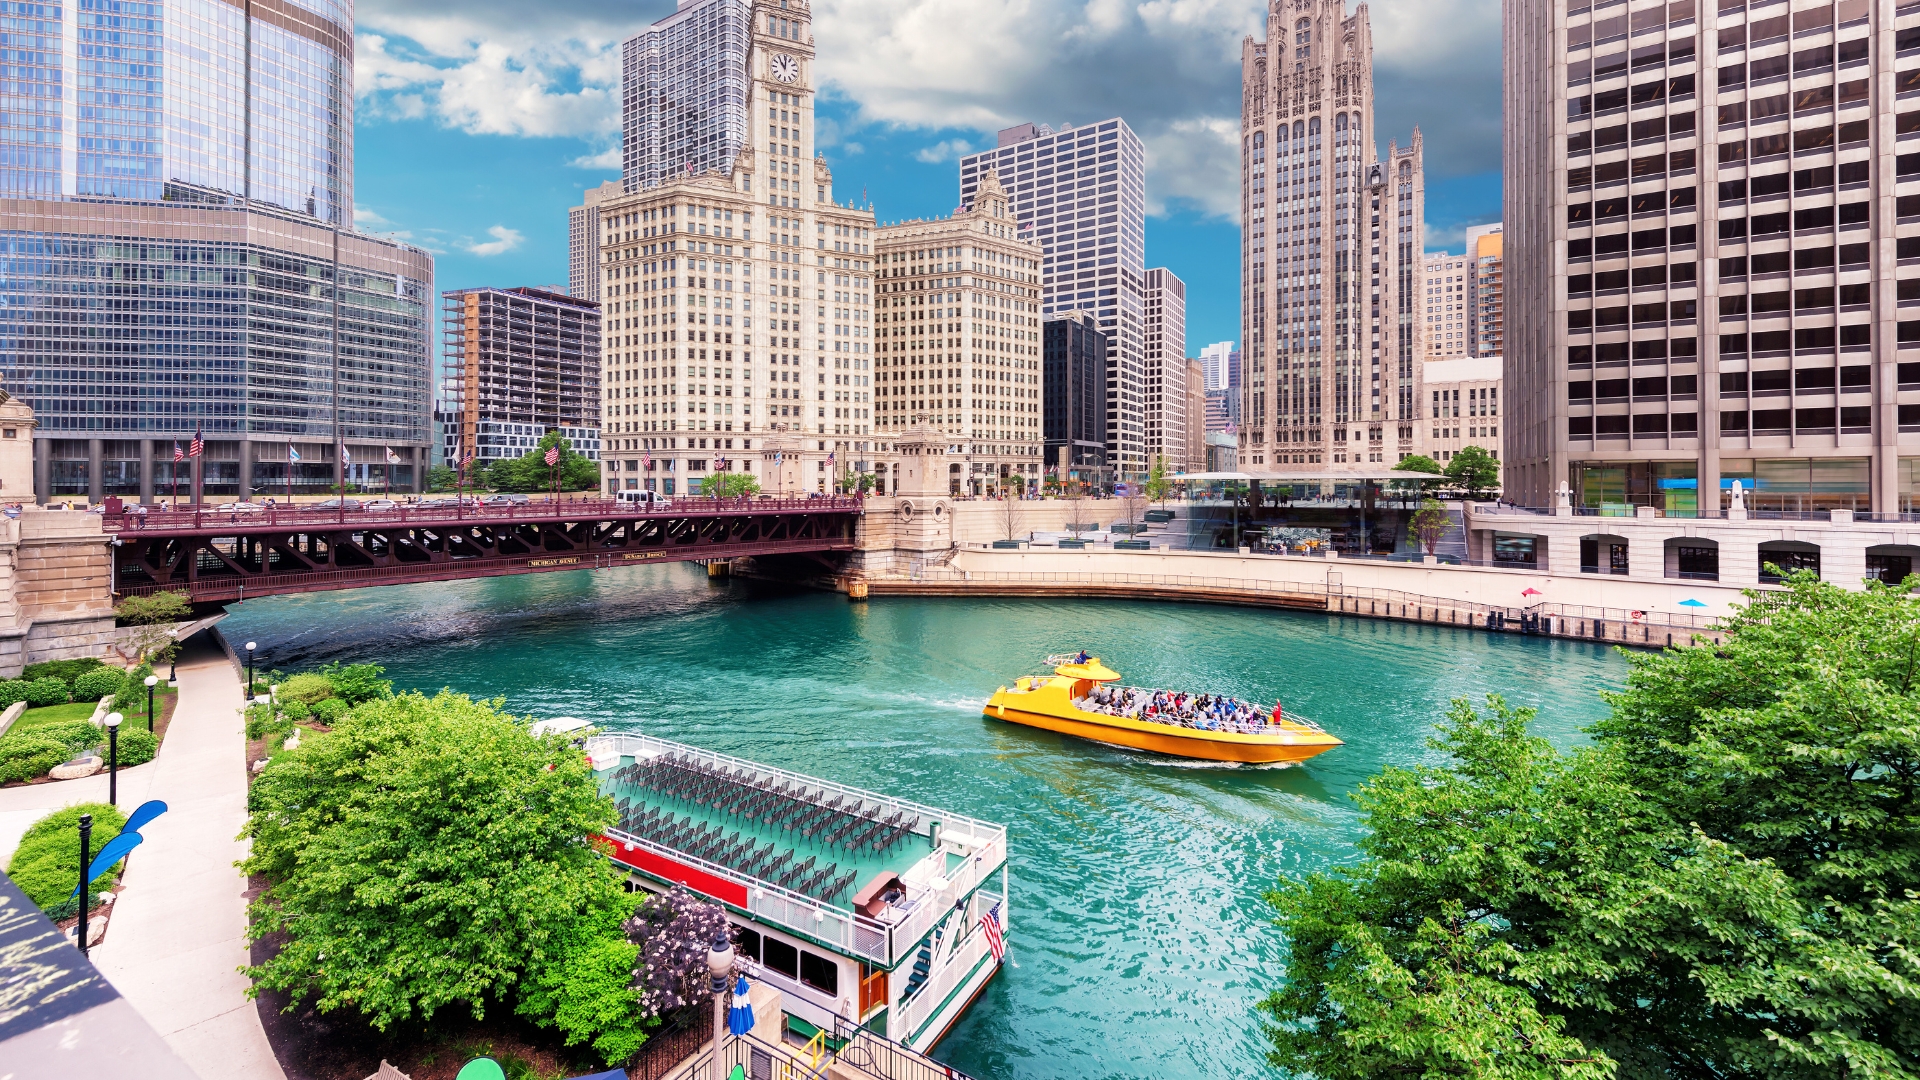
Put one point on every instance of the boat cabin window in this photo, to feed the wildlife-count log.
(820, 973)
(781, 957)
(747, 942)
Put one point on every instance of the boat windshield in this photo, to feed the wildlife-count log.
(1205, 712)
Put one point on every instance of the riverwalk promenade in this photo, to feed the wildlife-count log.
(177, 934)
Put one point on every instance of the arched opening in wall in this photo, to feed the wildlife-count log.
(1692, 559)
(1603, 553)
(953, 479)
(1778, 558)
(1891, 563)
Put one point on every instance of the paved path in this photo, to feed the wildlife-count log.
(178, 934)
(20, 807)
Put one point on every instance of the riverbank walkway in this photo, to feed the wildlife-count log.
(178, 934)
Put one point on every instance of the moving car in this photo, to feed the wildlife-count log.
(646, 500)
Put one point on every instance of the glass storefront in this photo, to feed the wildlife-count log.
(1799, 485)
(1619, 489)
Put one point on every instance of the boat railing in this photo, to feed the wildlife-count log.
(1285, 717)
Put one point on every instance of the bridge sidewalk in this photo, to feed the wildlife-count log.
(178, 935)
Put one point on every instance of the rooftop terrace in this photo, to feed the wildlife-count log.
(863, 873)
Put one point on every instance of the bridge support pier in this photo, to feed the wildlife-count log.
(856, 589)
(719, 568)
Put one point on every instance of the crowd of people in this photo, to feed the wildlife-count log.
(1207, 712)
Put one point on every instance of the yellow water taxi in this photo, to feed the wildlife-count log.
(1082, 698)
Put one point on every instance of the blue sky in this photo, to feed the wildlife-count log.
(479, 124)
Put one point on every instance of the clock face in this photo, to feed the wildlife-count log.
(786, 68)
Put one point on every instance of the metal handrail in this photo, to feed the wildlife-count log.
(201, 519)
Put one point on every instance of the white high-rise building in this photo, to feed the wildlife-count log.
(1166, 368)
(1082, 193)
(1216, 361)
(583, 243)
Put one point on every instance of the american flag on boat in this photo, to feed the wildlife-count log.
(990, 922)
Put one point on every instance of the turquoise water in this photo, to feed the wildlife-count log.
(1138, 937)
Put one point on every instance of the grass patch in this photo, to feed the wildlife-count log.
(51, 714)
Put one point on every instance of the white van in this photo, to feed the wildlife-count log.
(645, 500)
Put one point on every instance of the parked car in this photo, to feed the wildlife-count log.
(381, 504)
(506, 498)
(338, 504)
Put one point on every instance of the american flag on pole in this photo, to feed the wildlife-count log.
(990, 922)
(553, 455)
(178, 454)
(199, 444)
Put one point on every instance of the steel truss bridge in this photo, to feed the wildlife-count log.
(221, 556)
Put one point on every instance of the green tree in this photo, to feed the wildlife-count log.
(1429, 524)
(731, 485)
(1475, 471)
(530, 472)
(154, 609)
(429, 853)
(1158, 486)
(442, 478)
(1722, 884)
(1419, 463)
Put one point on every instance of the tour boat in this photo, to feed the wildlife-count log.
(1082, 698)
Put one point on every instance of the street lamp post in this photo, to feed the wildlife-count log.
(250, 648)
(86, 856)
(720, 965)
(114, 720)
(151, 681)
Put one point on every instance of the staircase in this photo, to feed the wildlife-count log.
(922, 965)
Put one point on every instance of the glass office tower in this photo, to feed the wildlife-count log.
(684, 90)
(1083, 193)
(177, 254)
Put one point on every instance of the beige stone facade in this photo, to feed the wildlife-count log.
(16, 451)
(55, 602)
(739, 307)
(1332, 244)
(1196, 406)
(1166, 369)
(1463, 406)
(958, 329)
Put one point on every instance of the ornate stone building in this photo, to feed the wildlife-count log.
(1333, 342)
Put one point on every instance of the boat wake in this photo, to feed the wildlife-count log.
(1164, 762)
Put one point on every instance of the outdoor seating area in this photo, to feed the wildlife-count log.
(805, 839)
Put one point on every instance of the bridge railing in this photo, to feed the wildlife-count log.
(204, 518)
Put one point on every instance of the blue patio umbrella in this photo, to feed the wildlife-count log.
(740, 1017)
(1690, 602)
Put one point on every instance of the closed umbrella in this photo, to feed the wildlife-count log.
(740, 1016)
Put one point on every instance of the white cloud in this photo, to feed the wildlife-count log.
(1170, 67)
(606, 159)
(949, 150)
(504, 240)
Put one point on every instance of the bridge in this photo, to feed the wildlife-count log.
(222, 556)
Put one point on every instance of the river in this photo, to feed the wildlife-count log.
(1138, 938)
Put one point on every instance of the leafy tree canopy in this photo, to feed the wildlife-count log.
(1721, 885)
(730, 485)
(428, 853)
(530, 472)
(1475, 470)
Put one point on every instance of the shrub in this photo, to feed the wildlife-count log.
(13, 690)
(77, 736)
(48, 691)
(98, 683)
(160, 607)
(137, 746)
(28, 755)
(307, 688)
(264, 720)
(358, 682)
(64, 670)
(46, 865)
(330, 711)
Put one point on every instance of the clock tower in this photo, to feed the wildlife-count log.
(780, 108)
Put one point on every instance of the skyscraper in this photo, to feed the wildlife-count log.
(1075, 357)
(1216, 361)
(583, 242)
(518, 364)
(739, 300)
(684, 89)
(1082, 192)
(1445, 313)
(1332, 341)
(1657, 352)
(960, 337)
(1166, 367)
(1486, 300)
(176, 213)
